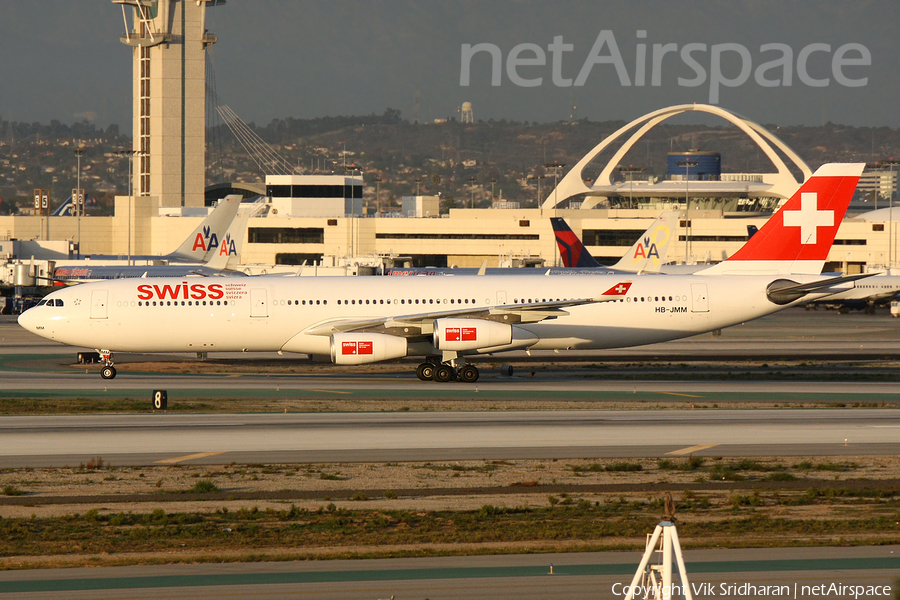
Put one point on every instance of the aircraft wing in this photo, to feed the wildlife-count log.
(417, 324)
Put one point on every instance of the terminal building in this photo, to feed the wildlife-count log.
(315, 218)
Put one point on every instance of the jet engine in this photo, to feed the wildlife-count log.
(470, 334)
(362, 348)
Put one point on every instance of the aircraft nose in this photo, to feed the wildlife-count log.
(28, 320)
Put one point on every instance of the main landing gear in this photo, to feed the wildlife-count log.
(108, 371)
(431, 369)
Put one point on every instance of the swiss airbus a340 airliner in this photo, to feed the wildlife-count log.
(360, 320)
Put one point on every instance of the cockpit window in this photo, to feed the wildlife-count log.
(59, 302)
(42, 302)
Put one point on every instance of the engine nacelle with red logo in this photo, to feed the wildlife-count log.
(470, 334)
(362, 348)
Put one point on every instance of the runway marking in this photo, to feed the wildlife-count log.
(677, 394)
(188, 457)
(325, 391)
(684, 451)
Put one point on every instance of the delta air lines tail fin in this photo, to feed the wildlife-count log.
(204, 241)
(571, 249)
(797, 238)
(649, 252)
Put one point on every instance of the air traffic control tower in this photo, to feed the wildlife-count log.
(169, 41)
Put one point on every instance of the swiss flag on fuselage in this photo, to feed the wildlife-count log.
(805, 226)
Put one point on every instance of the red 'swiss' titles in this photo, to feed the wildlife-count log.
(183, 291)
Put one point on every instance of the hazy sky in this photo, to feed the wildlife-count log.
(772, 61)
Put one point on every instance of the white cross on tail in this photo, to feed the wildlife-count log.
(809, 218)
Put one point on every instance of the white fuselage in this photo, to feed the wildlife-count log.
(277, 313)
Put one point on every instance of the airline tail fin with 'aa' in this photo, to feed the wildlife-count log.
(203, 242)
(228, 255)
(649, 252)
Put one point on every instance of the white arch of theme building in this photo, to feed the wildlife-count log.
(783, 182)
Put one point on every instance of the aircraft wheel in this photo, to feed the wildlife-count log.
(468, 374)
(425, 371)
(108, 372)
(443, 373)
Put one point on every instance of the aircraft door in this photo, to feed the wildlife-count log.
(699, 298)
(501, 298)
(258, 304)
(99, 300)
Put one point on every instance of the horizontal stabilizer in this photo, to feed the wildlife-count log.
(785, 291)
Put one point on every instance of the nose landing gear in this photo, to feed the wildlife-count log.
(108, 371)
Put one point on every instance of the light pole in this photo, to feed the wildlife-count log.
(493, 181)
(378, 195)
(556, 166)
(540, 180)
(629, 172)
(687, 164)
(418, 180)
(472, 182)
(130, 154)
(79, 198)
(890, 164)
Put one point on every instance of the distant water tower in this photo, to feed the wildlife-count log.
(468, 116)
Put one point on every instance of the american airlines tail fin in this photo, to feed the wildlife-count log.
(228, 254)
(797, 238)
(571, 249)
(649, 252)
(203, 242)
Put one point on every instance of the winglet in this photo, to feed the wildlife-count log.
(620, 289)
(797, 238)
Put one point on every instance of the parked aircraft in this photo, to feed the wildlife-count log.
(647, 255)
(218, 237)
(445, 319)
(867, 295)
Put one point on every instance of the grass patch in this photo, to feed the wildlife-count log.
(205, 486)
(724, 473)
(567, 519)
(624, 466)
(691, 463)
(11, 490)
